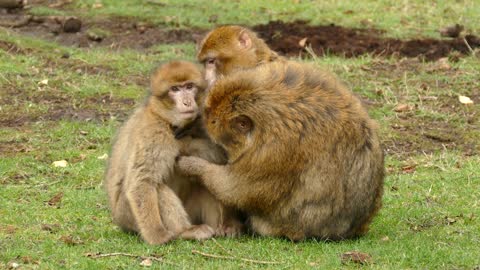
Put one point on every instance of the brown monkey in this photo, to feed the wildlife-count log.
(229, 48)
(304, 156)
(146, 195)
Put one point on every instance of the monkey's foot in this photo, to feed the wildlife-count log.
(198, 232)
(158, 237)
(230, 230)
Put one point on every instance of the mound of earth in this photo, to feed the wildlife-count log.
(290, 39)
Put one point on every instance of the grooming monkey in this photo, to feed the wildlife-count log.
(304, 156)
(230, 48)
(145, 192)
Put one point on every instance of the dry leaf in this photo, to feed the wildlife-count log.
(385, 238)
(43, 82)
(402, 108)
(303, 42)
(55, 199)
(356, 257)
(409, 168)
(465, 100)
(97, 5)
(442, 64)
(146, 262)
(102, 157)
(50, 227)
(70, 240)
(60, 163)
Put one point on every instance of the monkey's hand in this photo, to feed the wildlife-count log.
(191, 166)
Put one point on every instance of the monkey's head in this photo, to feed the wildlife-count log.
(230, 116)
(228, 48)
(176, 90)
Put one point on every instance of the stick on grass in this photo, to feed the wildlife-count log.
(232, 258)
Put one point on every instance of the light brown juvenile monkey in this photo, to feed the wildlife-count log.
(230, 48)
(145, 192)
(304, 156)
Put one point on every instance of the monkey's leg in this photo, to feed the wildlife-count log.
(176, 219)
(143, 200)
(123, 216)
(172, 211)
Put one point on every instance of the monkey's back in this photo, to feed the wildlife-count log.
(313, 135)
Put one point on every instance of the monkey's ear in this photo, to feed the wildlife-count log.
(243, 124)
(245, 40)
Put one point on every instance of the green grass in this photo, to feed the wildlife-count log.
(431, 213)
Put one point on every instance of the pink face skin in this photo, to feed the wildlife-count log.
(210, 71)
(186, 107)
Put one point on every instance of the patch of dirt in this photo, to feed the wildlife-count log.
(288, 39)
(332, 39)
(115, 33)
(63, 107)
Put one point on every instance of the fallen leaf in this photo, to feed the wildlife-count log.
(441, 64)
(409, 168)
(13, 265)
(97, 5)
(55, 199)
(356, 257)
(102, 157)
(465, 100)
(60, 163)
(303, 42)
(51, 228)
(402, 108)
(70, 240)
(82, 132)
(146, 262)
(10, 229)
(385, 238)
(450, 220)
(43, 82)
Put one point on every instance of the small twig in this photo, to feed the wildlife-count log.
(100, 255)
(232, 258)
(223, 248)
(468, 46)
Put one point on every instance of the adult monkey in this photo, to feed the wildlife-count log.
(145, 192)
(229, 48)
(304, 156)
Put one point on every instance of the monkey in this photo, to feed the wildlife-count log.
(304, 157)
(146, 194)
(229, 48)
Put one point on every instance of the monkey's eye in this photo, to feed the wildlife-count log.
(189, 86)
(210, 61)
(174, 88)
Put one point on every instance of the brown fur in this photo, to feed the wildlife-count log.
(223, 44)
(146, 194)
(304, 156)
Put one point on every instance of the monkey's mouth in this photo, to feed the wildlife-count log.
(188, 112)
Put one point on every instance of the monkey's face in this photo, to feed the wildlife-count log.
(183, 99)
(224, 51)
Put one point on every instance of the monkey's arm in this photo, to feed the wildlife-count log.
(215, 177)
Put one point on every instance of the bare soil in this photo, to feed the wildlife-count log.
(351, 42)
(283, 37)
(408, 134)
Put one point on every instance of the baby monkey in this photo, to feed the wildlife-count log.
(146, 194)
